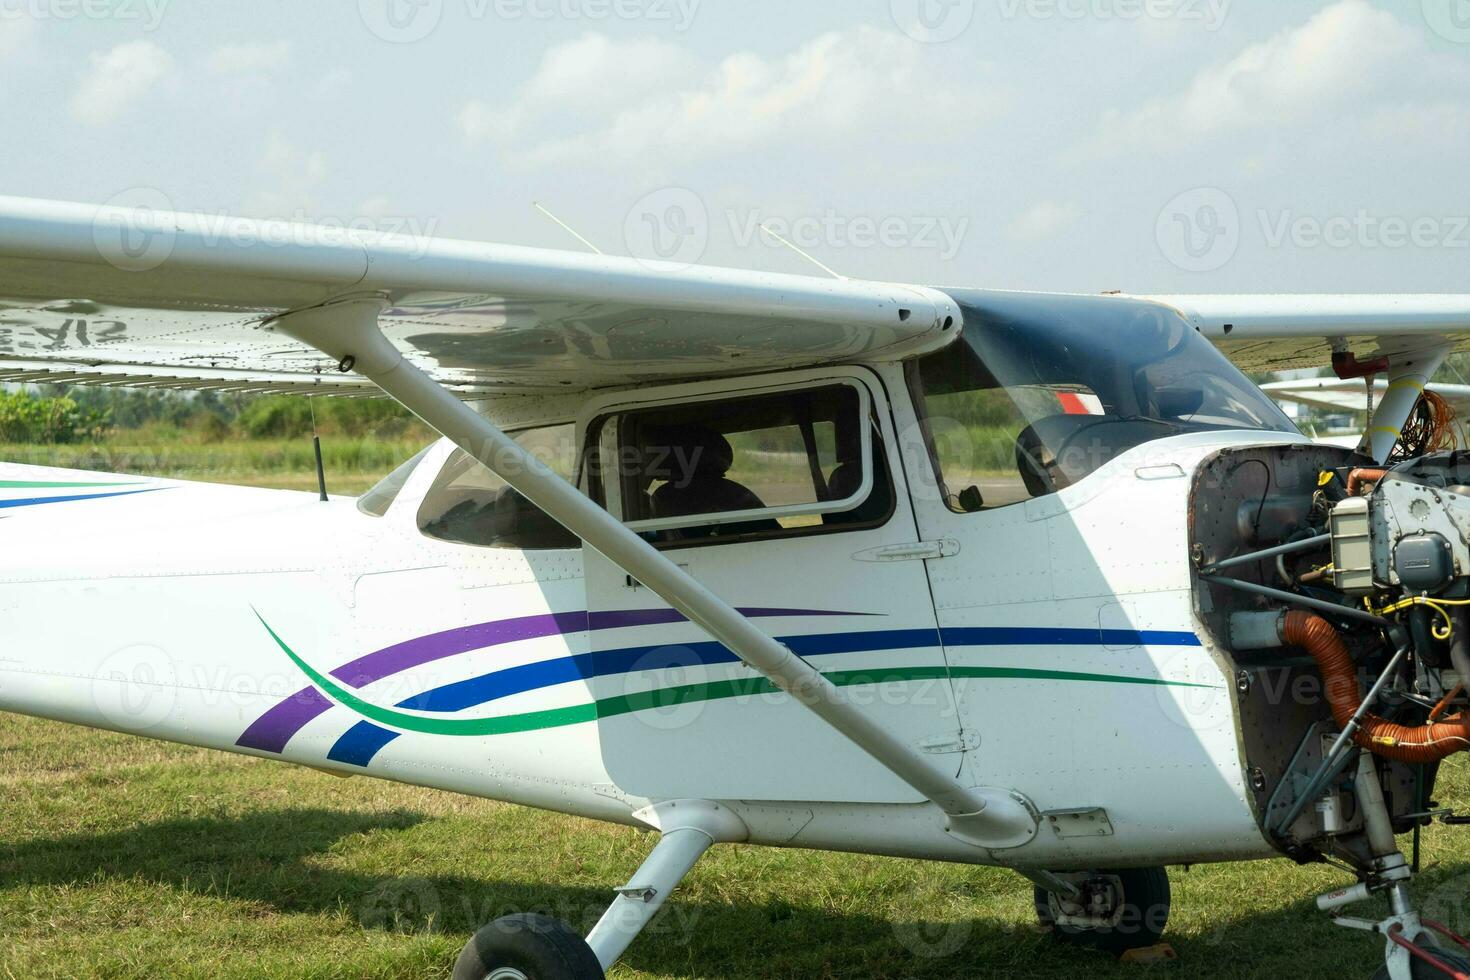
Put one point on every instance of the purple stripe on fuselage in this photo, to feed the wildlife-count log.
(274, 729)
(438, 646)
(632, 617)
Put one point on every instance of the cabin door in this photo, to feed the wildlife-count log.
(784, 497)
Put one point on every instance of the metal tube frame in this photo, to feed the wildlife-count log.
(1300, 600)
(1335, 759)
(1306, 544)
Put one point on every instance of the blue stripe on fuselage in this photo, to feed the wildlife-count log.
(1058, 636)
(35, 501)
(603, 663)
(360, 743)
(486, 688)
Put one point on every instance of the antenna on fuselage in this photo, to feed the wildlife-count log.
(565, 227)
(316, 445)
(804, 254)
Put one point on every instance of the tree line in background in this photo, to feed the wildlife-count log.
(60, 415)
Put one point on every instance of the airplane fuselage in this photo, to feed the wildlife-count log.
(1050, 647)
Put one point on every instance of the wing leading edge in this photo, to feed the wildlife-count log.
(112, 295)
(132, 296)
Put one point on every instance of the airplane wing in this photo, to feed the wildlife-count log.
(1277, 333)
(1332, 395)
(117, 295)
(114, 295)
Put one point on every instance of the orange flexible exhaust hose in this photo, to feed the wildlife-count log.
(1363, 475)
(1426, 743)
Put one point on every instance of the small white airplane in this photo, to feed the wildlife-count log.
(1350, 397)
(1033, 581)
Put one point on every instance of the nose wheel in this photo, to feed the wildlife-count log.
(1111, 911)
(1447, 966)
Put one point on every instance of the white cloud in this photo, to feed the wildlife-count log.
(292, 175)
(650, 98)
(117, 78)
(1043, 222)
(1348, 55)
(592, 74)
(250, 57)
(606, 72)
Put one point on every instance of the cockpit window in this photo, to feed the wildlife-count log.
(469, 504)
(375, 502)
(767, 465)
(1039, 394)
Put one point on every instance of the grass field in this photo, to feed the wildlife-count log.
(352, 464)
(121, 858)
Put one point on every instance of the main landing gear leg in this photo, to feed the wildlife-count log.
(1411, 950)
(690, 827)
(522, 947)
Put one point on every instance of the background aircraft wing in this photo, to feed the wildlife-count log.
(1332, 395)
(1275, 333)
(115, 295)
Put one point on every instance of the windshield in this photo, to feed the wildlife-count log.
(469, 504)
(376, 501)
(1041, 391)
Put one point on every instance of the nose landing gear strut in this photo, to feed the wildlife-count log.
(1412, 950)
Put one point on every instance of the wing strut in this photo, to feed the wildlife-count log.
(348, 331)
(1406, 380)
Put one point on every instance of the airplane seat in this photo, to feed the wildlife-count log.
(845, 481)
(703, 488)
(847, 476)
(1042, 472)
(1045, 471)
(468, 521)
(518, 523)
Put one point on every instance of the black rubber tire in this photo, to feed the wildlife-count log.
(540, 947)
(1139, 924)
(1423, 971)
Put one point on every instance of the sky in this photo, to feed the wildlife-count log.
(1149, 146)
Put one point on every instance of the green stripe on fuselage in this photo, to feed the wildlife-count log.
(46, 485)
(671, 696)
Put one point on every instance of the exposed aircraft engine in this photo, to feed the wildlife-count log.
(1402, 538)
(1341, 596)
